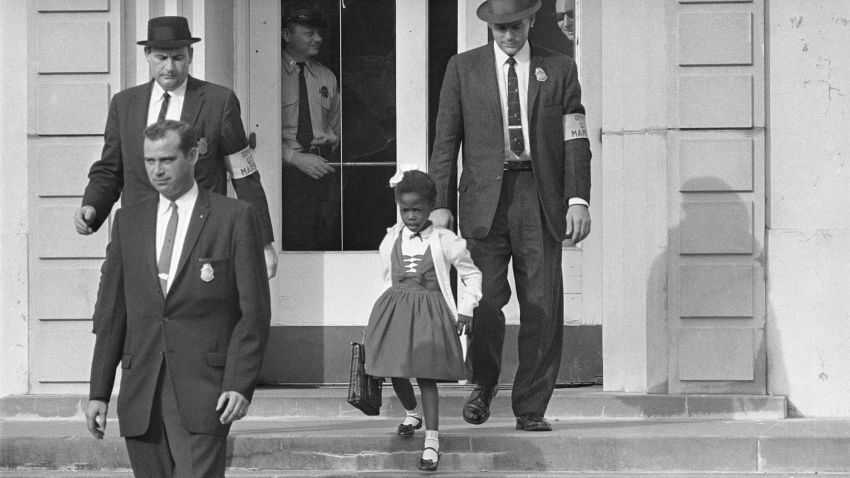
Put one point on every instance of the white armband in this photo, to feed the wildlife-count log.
(241, 163)
(574, 126)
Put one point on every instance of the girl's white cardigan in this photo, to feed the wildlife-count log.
(447, 249)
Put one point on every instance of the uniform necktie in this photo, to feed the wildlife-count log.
(514, 111)
(164, 264)
(304, 135)
(166, 99)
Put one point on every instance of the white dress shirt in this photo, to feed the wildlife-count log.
(523, 65)
(185, 206)
(175, 105)
(522, 68)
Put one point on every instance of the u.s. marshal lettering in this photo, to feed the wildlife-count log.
(574, 126)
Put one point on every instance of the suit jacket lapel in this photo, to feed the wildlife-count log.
(139, 115)
(147, 236)
(533, 84)
(488, 79)
(196, 225)
(193, 102)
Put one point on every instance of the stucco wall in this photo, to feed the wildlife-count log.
(809, 192)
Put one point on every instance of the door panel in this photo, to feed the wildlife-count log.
(716, 160)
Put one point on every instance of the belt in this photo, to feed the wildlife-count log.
(517, 165)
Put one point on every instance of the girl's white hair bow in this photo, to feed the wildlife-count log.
(399, 174)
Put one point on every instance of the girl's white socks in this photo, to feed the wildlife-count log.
(432, 440)
(413, 417)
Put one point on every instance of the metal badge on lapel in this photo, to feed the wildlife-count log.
(207, 273)
(202, 146)
(540, 74)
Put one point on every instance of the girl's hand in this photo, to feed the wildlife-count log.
(464, 322)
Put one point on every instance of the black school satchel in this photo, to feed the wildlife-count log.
(364, 391)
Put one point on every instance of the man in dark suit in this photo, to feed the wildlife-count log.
(189, 297)
(516, 109)
(211, 109)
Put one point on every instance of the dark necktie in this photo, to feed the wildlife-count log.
(514, 111)
(166, 99)
(164, 264)
(416, 234)
(305, 125)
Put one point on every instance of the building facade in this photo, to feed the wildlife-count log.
(719, 132)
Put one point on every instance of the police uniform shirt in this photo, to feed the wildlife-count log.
(323, 93)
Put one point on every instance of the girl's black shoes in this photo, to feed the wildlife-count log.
(407, 430)
(429, 465)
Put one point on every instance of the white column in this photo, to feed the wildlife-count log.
(634, 195)
(471, 31)
(197, 25)
(143, 14)
(14, 285)
(412, 82)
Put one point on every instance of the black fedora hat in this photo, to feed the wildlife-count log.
(507, 11)
(168, 33)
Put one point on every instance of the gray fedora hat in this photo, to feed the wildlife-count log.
(507, 11)
(168, 33)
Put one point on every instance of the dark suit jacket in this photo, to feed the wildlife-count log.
(212, 334)
(470, 115)
(214, 112)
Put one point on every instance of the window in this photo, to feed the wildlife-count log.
(350, 208)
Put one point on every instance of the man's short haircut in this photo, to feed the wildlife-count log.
(187, 134)
(417, 182)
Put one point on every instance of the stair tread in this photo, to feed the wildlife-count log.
(495, 427)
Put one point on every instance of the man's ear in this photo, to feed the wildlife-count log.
(193, 155)
(285, 34)
(191, 52)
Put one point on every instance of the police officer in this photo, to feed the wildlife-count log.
(311, 120)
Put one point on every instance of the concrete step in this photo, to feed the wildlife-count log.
(237, 473)
(567, 404)
(575, 446)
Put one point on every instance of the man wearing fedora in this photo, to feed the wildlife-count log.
(516, 110)
(211, 109)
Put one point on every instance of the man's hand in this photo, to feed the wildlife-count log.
(442, 218)
(235, 407)
(311, 165)
(83, 217)
(96, 418)
(464, 322)
(578, 223)
(271, 259)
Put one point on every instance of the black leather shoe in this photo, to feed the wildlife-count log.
(429, 465)
(477, 408)
(407, 430)
(533, 422)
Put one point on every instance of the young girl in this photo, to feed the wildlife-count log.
(414, 326)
